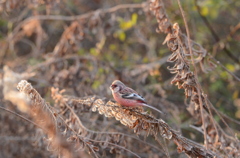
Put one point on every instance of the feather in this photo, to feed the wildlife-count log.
(151, 107)
(133, 96)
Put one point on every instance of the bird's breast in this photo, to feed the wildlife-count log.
(126, 102)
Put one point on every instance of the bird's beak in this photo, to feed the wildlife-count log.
(110, 87)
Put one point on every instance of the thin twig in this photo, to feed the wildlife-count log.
(214, 34)
(115, 133)
(121, 147)
(195, 71)
(77, 17)
(219, 63)
(18, 115)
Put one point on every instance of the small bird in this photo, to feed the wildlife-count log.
(127, 96)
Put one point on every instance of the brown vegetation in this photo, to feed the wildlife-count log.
(58, 62)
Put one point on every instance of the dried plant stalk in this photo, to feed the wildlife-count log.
(44, 117)
(142, 122)
(185, 79)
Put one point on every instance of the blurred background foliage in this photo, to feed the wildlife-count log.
(84, 56)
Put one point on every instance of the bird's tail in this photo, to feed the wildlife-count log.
(151, 107)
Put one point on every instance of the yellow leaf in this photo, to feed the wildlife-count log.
(230, 67)
(122, 36)
(235, 94)
(112, 47)
(125, 25)
(204, 11)
(134, 18)
(224, 75)
(93, 51)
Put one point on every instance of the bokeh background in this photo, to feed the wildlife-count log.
(81, 46)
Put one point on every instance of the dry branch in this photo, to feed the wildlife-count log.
(44, 117)
(74, 18)
(186, 79)
(142, 122)
(64, 68)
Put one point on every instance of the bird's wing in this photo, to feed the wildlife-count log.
(129, 93)
(127, 90)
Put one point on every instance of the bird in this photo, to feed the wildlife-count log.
(128, 97)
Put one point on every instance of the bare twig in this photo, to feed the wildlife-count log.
(195, 72)
(45, 118)
(22, 117)
(142, 122)
(219, 63)
(214, 34)
(182, 47)
(74, 18)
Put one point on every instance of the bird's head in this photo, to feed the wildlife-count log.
(116, 86)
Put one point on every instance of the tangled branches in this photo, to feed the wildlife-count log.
(51, 124)
(81, 51)
(185, 79)
(141, 122)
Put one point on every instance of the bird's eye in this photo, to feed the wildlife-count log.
(114, 86)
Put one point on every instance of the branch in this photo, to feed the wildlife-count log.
(214, 34)
(76, 17)
(44, 116)
(182, 48)
(141, 122)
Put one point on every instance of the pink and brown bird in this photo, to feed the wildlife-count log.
(127, 96)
